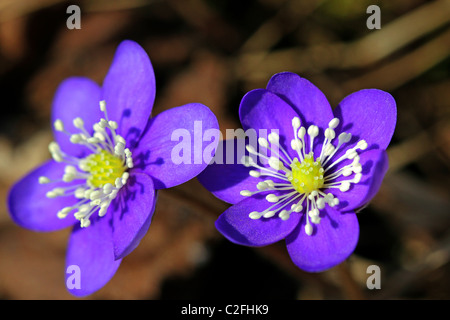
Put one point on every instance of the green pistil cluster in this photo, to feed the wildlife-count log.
(306, 176)
(103, 168)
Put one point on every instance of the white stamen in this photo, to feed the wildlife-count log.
(320, 203)
(247, 161)
(308, 229)
(263, 142)
(113, 124)
(274, 138)
(119, 148)
(333, 123)
(296, 122)
(344, 137)
(269, 214)
(250, 149)
(64, 212)
(58, 125)
(262, 186)
(330, 134)
(275, 164)
(78, 123)
(362, 144)
(102, 106)
(44, 180)
(284, 215)
(313, 131)
(296, 145)
(301, 133)
(255, 215)
(76, 138)
(272, 198)
(254, 173)
(344, 186)
(103, 123)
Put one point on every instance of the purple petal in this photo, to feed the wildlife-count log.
(333, 240)
(90, 255)
(374, 166)
(129, 90)
(132, 213)
(30, 208)
(264, 111)
(75, 97)
(306, 99)
(225, 177)
(368, 114)
(236, 225)
(177, 145)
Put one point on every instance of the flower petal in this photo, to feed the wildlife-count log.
(225, 176)
(90, 256)
(30, 208)
(264, 111)
(236, 225)
(308, 101)
(75, 97)
(129, 90)
(132, 213)
(333, 240)
(177, 144)
(374, 167)
(368, 114)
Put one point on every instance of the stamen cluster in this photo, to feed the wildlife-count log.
(102, 173)
(301, 181)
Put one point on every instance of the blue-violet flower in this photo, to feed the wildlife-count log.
(109, 159)
(306, 177)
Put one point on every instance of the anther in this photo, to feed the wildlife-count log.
(344, 137)
(275, 163)
(250, 149)
(274, 138)
(296, 122)
(308, 229)
(254, 173)
(272, 198)
(58, 125)
(102, 105)
(255, 215)
(313, 131)
(78, 123)
(263, 142)
(333, 123)
(44, 180)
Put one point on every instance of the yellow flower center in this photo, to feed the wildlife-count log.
(104, 168)
(307, 176)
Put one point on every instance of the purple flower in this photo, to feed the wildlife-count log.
(307, 172)
(109, 159)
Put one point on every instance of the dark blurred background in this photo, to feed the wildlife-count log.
(213, 52)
